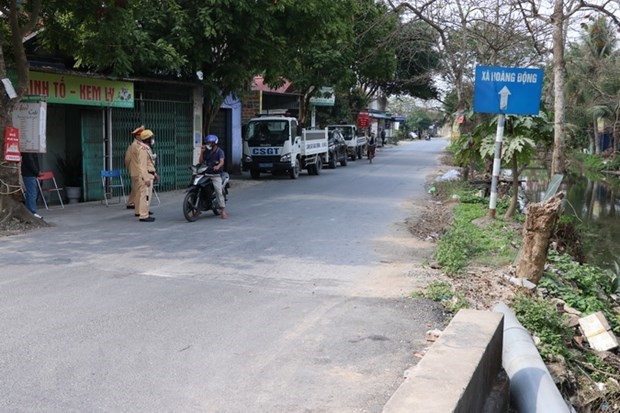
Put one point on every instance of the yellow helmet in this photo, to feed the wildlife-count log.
(146, 134)
(137, 131)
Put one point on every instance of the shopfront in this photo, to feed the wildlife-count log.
(89, 124)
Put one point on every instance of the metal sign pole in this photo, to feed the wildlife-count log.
(497, 160)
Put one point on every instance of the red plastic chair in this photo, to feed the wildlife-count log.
(47, 184)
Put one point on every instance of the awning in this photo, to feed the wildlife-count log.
(380, 115)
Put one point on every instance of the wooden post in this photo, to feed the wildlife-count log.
(539, 226)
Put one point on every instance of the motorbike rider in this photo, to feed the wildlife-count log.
(213, 157)
(372, 145)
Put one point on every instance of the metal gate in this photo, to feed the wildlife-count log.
(93, 152)
(171, 122)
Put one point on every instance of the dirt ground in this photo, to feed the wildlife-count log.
(483, 286)
(13, 226)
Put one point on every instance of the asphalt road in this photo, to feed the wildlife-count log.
(296, 303)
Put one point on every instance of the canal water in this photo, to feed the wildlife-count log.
(596, 205)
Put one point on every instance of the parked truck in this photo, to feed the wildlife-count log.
(356, 145)
(278, 144)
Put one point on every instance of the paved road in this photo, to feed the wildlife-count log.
(297, 303)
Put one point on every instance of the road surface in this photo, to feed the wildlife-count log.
(299, 302)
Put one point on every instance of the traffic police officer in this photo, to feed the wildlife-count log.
(131, 200)
(143, 172)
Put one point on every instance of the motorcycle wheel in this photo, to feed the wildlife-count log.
(216, 209)
(189, 210)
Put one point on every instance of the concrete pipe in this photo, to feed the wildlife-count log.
(531, 386)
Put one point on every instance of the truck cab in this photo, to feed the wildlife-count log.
(277, 144)
(356, 145)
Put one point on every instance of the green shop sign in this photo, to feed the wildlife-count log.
(75, 90)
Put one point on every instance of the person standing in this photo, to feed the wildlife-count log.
(213, 157)
(382, 138)
(30, 171)
(144, 177)
(131, 199)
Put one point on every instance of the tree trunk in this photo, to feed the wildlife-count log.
(615, 131)
(515, 188)
(597, 140)
(20, 23)
(539, 226)
(557, 162)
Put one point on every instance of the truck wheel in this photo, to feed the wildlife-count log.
(254, 173)
(311, 169)
(343, 161)
(319, 165)
(294, 172)
(332, 161)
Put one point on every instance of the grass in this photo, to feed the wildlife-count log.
(584, 287)
(443, 292)
(489, 244)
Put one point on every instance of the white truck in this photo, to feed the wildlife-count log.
(277, 144)
(356, 145)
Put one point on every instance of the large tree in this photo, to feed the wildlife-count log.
(593, 79)
(316, 50)
(223, 44)
(17, 19)
(558, 14)
(467, 33)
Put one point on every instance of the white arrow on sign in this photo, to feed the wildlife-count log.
(503, 100)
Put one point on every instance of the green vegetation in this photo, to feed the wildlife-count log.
(540, 317)
(490, 244)
(442, 292)
(584, 287)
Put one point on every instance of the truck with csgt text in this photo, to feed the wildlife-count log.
(277, 144)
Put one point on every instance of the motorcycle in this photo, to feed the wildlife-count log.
(200, 194)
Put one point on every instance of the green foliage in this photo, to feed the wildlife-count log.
(601, 371)
(589, 162)
(584, 287)
(420, 119)
(466, 150)
(521, 136)
(540, 317)
(465, 240)
(416, 61)
(592, 80)
(442, 292)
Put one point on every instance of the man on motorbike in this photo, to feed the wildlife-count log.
(213, 157)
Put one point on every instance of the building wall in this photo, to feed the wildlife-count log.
(236, 145)
(251, 106)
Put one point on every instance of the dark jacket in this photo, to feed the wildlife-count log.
(30, 164)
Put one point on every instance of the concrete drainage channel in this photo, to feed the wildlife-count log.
(479, 362)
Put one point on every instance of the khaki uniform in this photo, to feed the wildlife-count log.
(142, 170)
(131, 200)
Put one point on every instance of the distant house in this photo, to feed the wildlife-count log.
(263, 98)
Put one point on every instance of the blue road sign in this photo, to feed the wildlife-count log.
(508, 90)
